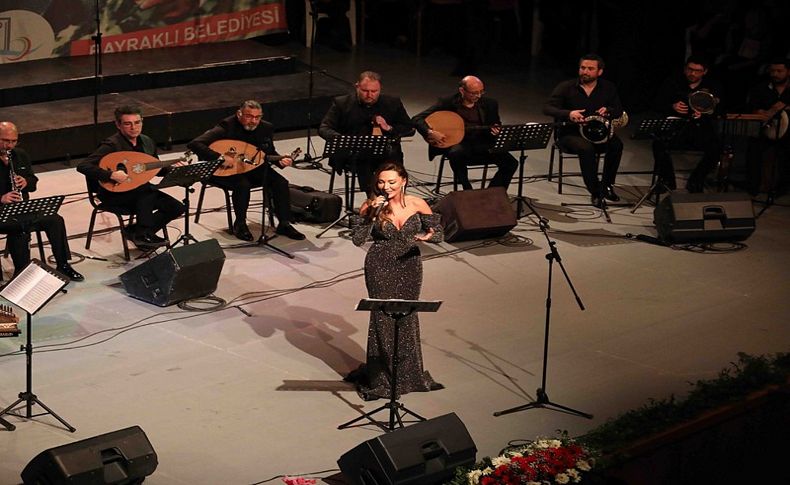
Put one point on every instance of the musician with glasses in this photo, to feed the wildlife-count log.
(481, 125)
(692, 96)
(768, 154)
(152, 208)
(576, 102)
(367, 112)
(248, 126)
(16, 182)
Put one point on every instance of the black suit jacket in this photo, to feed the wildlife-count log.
(231, 129)
(487, 108)
(347, 116)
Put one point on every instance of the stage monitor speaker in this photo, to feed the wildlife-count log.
(120, 457)
(476, 214)
(683, 217)
(423, 453)
(178, 274)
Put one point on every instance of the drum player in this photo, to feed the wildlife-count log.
(574, 104)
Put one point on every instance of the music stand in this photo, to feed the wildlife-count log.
(353, 147)
(529, 136)
(31, 290)
(397, 309)
(657, 129)
(185, 176)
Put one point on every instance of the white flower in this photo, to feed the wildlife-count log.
(487, 470)
(561, 478)
(500, 460)
(575, 476)
(555, 443)
(583, 465)
(474, 477)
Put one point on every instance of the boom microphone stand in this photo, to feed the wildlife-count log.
(97, 73)
(543, 400)
(308, 158)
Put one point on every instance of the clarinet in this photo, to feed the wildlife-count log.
(12, 173)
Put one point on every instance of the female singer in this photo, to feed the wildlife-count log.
(393, 269)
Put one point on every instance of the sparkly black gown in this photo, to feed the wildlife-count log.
(393, 269)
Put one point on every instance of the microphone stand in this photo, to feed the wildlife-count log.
(543, 400)
(97, 73)
(308, 158)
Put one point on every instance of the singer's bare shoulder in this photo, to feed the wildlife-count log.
(419, 204)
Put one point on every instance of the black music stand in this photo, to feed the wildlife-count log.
(31, 290)
(657, 129)
(27, 212)
(186, 176)
(353, 147)
(397, 309)
(529, 136)
(542, 400)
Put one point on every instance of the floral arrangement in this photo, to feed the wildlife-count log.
(541, 462)
(298, 481)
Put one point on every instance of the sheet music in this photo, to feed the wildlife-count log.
(33, 287)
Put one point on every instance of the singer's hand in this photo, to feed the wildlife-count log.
(21, 182)
(424, 237)
(379, 201)
(10, 197)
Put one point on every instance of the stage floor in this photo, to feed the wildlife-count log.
(255, 390)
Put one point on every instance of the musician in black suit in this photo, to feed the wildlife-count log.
(768, 155)
(672, 99)
(247, 125)
(359, 114)
(17, 180)
(572, 103)
(477, 112)
(153, 209)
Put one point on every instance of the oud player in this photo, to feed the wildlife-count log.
(481, 125)
(254, 137)
(152, 208)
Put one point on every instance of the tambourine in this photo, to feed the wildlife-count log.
(596, 129)
(703, 102)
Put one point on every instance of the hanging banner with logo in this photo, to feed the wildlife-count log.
(39, 29)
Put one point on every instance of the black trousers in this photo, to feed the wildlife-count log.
(464, 154)
(240, 185)
(588, 162)
(694, 136)
(18, 242)
(152, 208)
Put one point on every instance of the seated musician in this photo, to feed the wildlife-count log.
(675, 98)
(572, 103)
(16, 182)
(152, 208)
(481, 124)
(248, 126)
(768, 156)
(366, 112)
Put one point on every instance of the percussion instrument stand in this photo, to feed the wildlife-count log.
(398, 310)
(543, 400)
(353, 147)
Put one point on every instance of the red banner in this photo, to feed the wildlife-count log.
(39, 29)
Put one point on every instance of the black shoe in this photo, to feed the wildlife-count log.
(242, 232)
(435, 386)
(68, 271)
(289, 231)
(148, 240)
(610, 194)
(596, 201)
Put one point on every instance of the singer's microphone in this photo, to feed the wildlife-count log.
(379, 208)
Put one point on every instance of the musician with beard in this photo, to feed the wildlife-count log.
(477, 112)
(768, 155)
(571, 103)
(247, 125)
(672, 100)
(367, 112)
